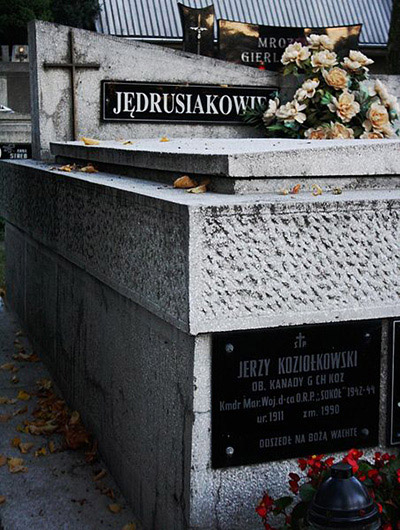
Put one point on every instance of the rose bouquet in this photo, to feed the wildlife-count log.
(381, 477)
(332, 100)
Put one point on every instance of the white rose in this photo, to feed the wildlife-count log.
(307, 90)
(318, 42)
(270, 113)
(295, 53)
(291, 111)
(324, 59)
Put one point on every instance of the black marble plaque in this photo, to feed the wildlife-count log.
(11, 151)
(167, 102)
(394, 400)
(255, 45)
(291, 392)
(263, 46)
(198, 29)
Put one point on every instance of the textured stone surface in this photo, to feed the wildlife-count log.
(217, 262)
(15, 128)
(247, 158)
(128, 373)
(120, 59)
(266, 264)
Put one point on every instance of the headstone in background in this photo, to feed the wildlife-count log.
(198, 29)
(344, 38)
(255, 45)
(263, 46)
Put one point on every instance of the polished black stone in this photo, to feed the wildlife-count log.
(168, 102)
(394, 382)
(290, 392)
(198, 29)
(12, 151)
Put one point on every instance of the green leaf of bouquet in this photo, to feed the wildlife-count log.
(298, 515)
(283, 502)
(326, 98)
(306, 492)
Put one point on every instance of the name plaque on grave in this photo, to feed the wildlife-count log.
(290, 392)
(11, 151)
(167, 102)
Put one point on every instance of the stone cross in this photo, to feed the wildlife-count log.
(73, 66)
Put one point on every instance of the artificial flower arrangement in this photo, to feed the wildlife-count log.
(381, 478)
(332, 101)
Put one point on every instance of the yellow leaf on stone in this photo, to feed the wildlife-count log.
(3, 460)
(185, 182)
(164, 139)
(15, 441)
(41, 452)
(90, 141)
(295, 190)
(284, 191)
(129, 526)
(23, 396)
(198, 189)
(52, 447)
(68, 168)
(74, 418)
(114, 508)
(25, 447)
(316, 190)
(7, 367)
(337, 191)
(101, 474)
(89, 169)
(128, 142)
(15, 465)
(2, 499)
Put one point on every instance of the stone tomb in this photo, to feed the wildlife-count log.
(210, 339)
(207, 340)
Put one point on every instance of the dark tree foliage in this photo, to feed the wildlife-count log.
(15, 15)
(76, 13)
(394, 40)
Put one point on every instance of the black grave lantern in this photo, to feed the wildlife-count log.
(343, 502)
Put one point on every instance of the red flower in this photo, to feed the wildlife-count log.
(294, 486)
(380, 509)
(294, 476)
(352, 462)
(361, 478)
(387, 526)
(355, 454)
(264, 506)
(262, 511)
(302, 463)
(329, 461)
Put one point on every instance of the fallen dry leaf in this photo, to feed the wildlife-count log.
(15, 441)
(3, 460)
(68, 168)
(52, 447)
(128, 142)
(15, 465)
(2, 499)
(101, 474)
(284, 191)
(14, 379)
(41, 452)
(129, 526)
(114, 508)
(25, 447)
(47, 428)
(89, 169)
(164, 139)
(316, 190)
(7, 401)
(23, 396)
(185, 182)
(4, 417)
(29, 357)
(295, 189)
(90, 141)
(198, 189)
(22, 410)
(44, 384)
(337, 190)
(75, 417)
(7, 367)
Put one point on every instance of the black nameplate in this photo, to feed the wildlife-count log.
(170, 103)
(10, 151)
(291, 392)
(394, 409)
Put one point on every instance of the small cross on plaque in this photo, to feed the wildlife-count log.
(73, 66)
(199, 30)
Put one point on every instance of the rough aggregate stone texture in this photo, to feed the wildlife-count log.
(247, 157)
(120, 60)
(217, 262)
(128, 373)
(57, 492)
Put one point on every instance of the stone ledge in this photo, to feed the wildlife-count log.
(246, 158)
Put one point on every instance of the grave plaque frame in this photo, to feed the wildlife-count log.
(290, 392)
(394, 401)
